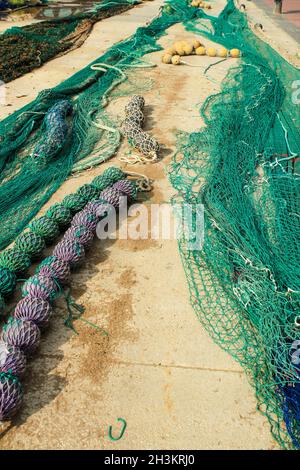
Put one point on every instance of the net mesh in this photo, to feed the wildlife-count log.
(8, 5)
(243, 167)
(26, 183)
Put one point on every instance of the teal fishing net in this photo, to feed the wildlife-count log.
(29, 177)
(243, 166)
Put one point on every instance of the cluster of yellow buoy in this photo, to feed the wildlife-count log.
(201, 4)
(172, 54)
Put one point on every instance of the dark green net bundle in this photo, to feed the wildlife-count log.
(243, 167)
(23, 49)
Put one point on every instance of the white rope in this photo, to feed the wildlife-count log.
(192, 65)
(134, 159)
(135, 174)
(105, 128)
(99, 66)
(293, 154)
(142, 65)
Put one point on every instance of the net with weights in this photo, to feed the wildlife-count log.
(44, 230)
(243, 167)
(132, 129)
(21, 334)
(30, 171)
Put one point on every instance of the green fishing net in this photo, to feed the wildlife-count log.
(66, 128)
(23, 49)
(243, 166)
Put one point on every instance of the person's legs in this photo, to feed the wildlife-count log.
(277, 6)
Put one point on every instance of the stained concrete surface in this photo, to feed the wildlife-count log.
(279, 32)
(158, 368)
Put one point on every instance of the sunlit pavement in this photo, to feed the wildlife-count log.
(289, 20)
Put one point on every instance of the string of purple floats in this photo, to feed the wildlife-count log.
(22, 332)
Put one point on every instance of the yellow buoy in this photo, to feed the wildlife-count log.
(178, 46)
(170, 50)
(175, 60)
(188, 49)
(235, 53)
(223, 52)
(211, 52)
(200, 50)
(180, 50)
(166, 59)
(196, 44)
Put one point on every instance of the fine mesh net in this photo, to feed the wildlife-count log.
(243, 167)
(28, 178)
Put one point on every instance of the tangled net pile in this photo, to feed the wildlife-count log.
(23, 49)
(245, 281)
(132, 129)
(21, 334)
(27, 183)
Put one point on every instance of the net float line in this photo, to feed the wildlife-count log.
(44, 230)
(21, 334)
